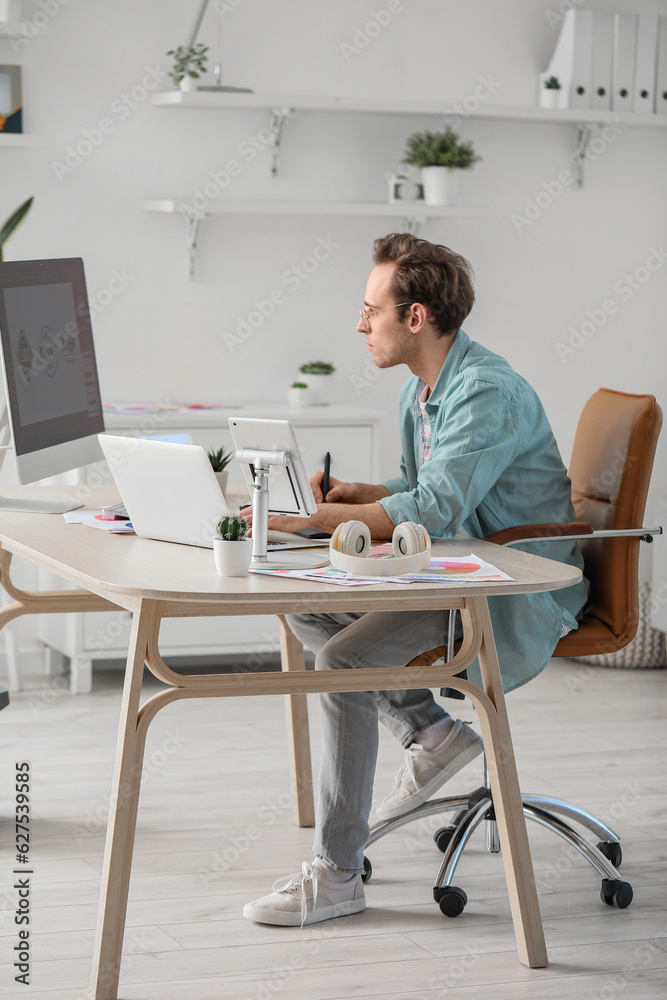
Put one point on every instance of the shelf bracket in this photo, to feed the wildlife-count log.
(584, 132)
(192, 219)
(280, 117)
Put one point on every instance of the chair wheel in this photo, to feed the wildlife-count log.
(368, 870)
(612, 851)
(613, 892)
(451, 900)
(443, 836)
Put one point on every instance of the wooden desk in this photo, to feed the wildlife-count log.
(155, 580)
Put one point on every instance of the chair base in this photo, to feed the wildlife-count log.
(471, 810)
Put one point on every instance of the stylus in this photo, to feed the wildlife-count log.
(325, 480)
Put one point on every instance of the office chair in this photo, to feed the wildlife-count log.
(611, 465)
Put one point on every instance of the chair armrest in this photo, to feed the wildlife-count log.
(539, 532)
(573, 529)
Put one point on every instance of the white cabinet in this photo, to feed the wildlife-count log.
(347, 433)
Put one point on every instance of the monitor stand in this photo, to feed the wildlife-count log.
(35, 506)
(24, 504)
(261, 559)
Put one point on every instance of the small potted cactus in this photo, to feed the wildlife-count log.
(299, 394)
(232, 549)
(550, 92)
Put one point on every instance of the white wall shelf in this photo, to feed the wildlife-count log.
(413, 212)
(407, 209)
(19, 29)
(22, 139)
(283, 106)
(267, 102)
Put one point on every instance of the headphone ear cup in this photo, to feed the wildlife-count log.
(352, 538)
(409, 539)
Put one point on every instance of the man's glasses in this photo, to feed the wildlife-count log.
(366, 313)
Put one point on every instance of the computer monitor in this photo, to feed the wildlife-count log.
(53, 403)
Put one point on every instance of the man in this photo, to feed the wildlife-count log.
(478, 455)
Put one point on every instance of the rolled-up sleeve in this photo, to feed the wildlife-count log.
(477, 439)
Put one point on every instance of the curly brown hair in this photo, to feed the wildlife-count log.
(431, 274)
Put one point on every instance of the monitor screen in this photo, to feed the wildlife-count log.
(53, 394)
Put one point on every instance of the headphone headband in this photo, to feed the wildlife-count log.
(351, 542)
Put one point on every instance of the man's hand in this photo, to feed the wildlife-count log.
(340, 492)
(329, 516)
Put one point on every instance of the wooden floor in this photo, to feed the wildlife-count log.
(215, 830)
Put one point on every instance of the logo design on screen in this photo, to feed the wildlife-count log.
(46, 359)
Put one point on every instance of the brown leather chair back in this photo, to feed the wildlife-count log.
(612, 459)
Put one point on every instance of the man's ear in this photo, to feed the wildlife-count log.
(418, 317)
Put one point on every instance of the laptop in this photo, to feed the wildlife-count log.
(171, 493)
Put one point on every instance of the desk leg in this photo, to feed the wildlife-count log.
(507, 803)
(122, 813)
(298, 733)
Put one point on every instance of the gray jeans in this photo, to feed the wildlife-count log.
(349, 719)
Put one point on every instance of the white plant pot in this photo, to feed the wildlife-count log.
(232, 558)
(188, 83)
(10, 10)
(299, 397)
(321, 388)
(440, 185)
(222, 480)
(549, 98)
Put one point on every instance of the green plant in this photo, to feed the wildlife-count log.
(552, 83)
(220, 459)
(299, 385)
(188, 61)
(440, 149)
(317, 368)
(232, 527)
(10, 224)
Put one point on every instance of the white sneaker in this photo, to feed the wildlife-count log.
(306, 898)
(424, 771)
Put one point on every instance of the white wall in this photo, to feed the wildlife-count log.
(162, 338)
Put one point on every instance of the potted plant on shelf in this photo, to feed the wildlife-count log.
(232, 549)
(10, 224)
(550, 92)
(299, 394)
(189, 64)
(319, 380)
(219, 460)
(441, 155)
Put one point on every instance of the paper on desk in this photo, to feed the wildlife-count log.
(94, 519)
(462, 569)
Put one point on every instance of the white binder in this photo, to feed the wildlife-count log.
(603, 38)
(571, 61)
(623, 72)
(647, 51)
(580, 87)
(661, 78)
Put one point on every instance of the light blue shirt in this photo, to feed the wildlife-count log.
(494, 464)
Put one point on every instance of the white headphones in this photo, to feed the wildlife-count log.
(351, 542)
